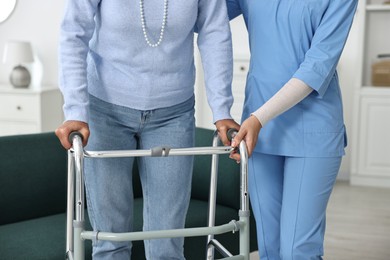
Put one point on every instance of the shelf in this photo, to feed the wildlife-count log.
(378, 7)
(375, 90)
(387, 88)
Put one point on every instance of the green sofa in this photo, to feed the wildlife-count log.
(33, 171)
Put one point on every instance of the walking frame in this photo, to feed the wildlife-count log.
(76, 234)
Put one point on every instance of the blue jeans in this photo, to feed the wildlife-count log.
(289, 196)
(166, 181)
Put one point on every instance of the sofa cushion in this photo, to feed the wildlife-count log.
(32, 177)
(44, 238)
(40, 238)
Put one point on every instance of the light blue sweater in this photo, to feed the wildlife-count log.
(103, 52)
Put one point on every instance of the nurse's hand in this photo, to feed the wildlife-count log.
(249, 132)
(64, 130)
(223, 126)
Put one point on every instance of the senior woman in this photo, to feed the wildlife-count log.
(127, 76)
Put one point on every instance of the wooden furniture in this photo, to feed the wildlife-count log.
(25, 111)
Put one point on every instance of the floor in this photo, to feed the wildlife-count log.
(358, 224)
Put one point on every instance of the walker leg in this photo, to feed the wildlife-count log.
(70, 205)
(78, 223)
(244, 212)
(212, 198)
(79, 250)
(244, 235)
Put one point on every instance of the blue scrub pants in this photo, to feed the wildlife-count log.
(289, 196)
(166, 181)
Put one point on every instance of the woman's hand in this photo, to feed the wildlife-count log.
(64, 130)
(249, 132)
(223, 126)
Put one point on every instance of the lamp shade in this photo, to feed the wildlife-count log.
(16, 52)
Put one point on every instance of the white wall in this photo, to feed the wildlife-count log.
(36, 21)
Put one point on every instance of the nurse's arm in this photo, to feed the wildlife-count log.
(288, 96)
(293, 92)
(328, 42)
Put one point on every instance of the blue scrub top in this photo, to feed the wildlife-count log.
(302, 39)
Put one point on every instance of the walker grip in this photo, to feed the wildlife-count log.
(73, 134)
(231, 133)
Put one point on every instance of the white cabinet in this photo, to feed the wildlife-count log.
(24, 111)
(371, 116)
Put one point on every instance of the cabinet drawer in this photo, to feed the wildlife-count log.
(19, 107)
(16, 128)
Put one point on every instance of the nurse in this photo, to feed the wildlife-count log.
(293, 97)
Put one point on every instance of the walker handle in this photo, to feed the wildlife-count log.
(231, 133)
(73, 134)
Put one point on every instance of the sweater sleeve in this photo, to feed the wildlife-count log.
(215, 45)
(288, 96)
(76, 30)
(234, 8)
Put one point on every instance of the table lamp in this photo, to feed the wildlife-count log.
(18, 52)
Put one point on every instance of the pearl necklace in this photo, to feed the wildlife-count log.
(143, 23)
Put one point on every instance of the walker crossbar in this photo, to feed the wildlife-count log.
(232, 226)
(224, 252)
(75, 234)
(158, 152)
(235, 257)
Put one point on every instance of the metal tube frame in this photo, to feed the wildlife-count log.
(76, 233)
